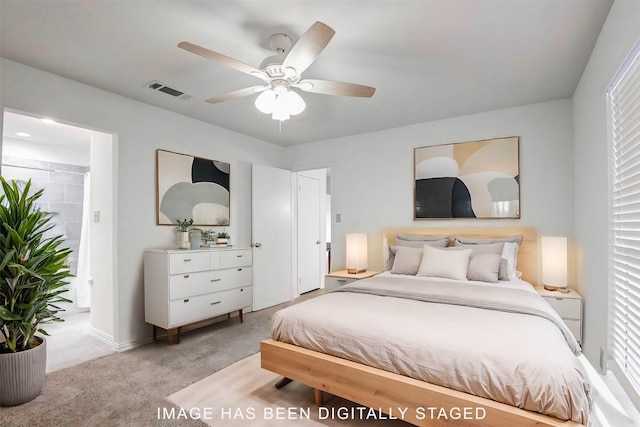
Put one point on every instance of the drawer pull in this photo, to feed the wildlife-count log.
(186, 276)
(217, 302)
(187, 260)
(215, 280)
(238, 256)
(342, 280)
(240, 269)
(186, 300)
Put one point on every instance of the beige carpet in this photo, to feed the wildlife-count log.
(243, 394)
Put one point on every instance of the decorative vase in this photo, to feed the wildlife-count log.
(195, 240)
(221, 241)
(22, 374)
(183, 240)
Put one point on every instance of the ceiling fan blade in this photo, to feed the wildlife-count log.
(236, 94)
(308, 47)
(223, 59)
(329, 87)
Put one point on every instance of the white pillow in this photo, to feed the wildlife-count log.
(444, 263)
(509, 253)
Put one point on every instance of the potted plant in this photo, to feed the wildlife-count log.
(222, 238)
(207, 236)
(33, 270)
(183, 228)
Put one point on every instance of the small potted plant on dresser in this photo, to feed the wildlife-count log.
(223, 238)
(208, 237)
(33, 270)
(183, 229)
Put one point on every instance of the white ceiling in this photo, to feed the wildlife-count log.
(428, 59)
(44, 132)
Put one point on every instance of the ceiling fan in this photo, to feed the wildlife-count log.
(283, 72)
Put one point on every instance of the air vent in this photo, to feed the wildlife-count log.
(161, 87)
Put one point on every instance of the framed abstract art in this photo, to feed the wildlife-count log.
(192, 187)
(478, 179)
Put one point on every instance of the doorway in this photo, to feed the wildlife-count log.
(60, 159)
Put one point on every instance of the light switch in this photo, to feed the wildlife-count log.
(338, 218)
(96, 216)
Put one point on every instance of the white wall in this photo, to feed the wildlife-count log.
(372, 174)
(140, 130)
(591, 200)
(103, 237)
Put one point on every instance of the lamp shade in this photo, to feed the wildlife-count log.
(356, 252)
(554, 261)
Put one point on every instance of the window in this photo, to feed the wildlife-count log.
(623, 98)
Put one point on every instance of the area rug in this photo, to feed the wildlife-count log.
(243, 394)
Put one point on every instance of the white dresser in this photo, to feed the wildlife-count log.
(188, 286)
(568, 305)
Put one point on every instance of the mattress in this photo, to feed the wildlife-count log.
(497, 341)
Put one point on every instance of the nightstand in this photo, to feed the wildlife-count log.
(333, 281)
(568, 306)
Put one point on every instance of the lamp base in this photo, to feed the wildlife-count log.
(560, 289)
(354, 271)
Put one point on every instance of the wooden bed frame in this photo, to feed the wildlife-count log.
(380, 390)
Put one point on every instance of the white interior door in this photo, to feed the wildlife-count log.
(308, 234)
(271, 230)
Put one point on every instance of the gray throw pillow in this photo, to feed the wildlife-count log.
(484, 267)
(407, 260)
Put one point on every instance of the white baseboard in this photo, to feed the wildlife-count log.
(132, 344)
(119, 347)
(105, 338)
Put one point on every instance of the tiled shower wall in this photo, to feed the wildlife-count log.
(63, 195)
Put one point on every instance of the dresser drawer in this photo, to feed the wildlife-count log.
(192, 284)
(332, 283)
(188, 262)
(567, 308)
(193, 309)
(236, 258)
(575, 328)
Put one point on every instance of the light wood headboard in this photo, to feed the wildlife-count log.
(527, 255)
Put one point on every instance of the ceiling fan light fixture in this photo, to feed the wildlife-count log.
(294, 102)
(280, 102)
(265, 102)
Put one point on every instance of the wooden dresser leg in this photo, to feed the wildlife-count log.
(170, 336)
(240, 314)
(155, 333)
(319, 395)
(179, 334)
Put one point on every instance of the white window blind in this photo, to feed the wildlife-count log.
(624, 123)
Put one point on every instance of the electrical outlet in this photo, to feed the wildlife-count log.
(603, 360)
(96, 216)
(338, 218)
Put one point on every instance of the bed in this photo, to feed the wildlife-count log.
(404, 342)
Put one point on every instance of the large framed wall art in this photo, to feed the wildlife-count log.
(478, 179)
(192, 187)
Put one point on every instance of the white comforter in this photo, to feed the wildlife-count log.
(497, 342)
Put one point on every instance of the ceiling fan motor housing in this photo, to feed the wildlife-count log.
(280, 42)
(272, 66)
